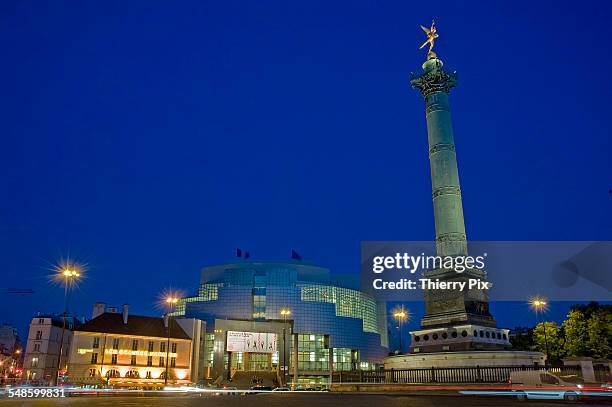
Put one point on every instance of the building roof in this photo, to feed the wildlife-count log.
(112, 323)
(57, 320)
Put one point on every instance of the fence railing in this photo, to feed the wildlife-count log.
(602, 373)
(447, 375)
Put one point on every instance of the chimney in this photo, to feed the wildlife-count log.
(125, 314)
(99, 308)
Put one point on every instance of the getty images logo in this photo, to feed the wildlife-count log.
(410, 263)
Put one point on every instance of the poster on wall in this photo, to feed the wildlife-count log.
(260, 342)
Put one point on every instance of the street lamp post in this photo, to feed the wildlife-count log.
(400, 316)
(540, 305)
(285, 313)
(171, 301)
(69, 276)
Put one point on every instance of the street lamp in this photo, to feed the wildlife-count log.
(539, 305)
(69, 274)
(401, 315)
(170, 302)
(285, 312)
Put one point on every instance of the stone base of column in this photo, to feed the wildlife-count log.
(459, 338)
(450, 307)
(484, 358)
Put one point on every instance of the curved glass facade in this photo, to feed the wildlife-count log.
(324, 315)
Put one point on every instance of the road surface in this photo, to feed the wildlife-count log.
(290, 400)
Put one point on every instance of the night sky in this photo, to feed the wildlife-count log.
(149, 139)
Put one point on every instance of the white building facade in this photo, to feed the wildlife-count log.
(43, 347)
(122, 350)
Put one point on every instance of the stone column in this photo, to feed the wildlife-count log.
(586, 366)
(452, 308)
(435, 84)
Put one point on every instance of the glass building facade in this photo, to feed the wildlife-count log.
(331, 324)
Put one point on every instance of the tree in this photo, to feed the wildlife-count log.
(548, 335)
(522, 339)
(599, 334)
(576, 335)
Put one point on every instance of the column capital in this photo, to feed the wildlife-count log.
(434, 79)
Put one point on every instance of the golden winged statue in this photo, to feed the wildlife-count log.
(432, 34)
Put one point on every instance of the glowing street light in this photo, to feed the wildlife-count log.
(171, 301)
(540, 305)
(285, 312)
(69, 275)
(401, 315)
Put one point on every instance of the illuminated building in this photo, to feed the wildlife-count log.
(122, 350)
(298, 315)
(42, 348)
(10, 353)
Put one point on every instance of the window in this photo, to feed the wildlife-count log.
(94, 358)
(135, 344)
(37, 347)
(92, 372)
(259, 303)
(34, 362)
(149, 360)
(173, 347)
(548, 379)
(161, 361)
(113, 373)
(314, 355)
(115, 343)
(133, 360)
(96, 342)
(114, 359)
(133, 374)
(150, 346)
(41, 321)
(148, 375)
(348, 303)
(162, 347)
(172, 361)
(38, 335)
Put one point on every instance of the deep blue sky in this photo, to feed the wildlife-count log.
(152, 138)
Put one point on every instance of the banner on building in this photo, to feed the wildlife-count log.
(259, 342)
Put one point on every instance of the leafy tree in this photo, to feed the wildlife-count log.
(576, 335)
(549, 335)
(591, 308)
(599, 335)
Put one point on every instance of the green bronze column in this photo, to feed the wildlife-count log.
(435, 84)
(454, 320)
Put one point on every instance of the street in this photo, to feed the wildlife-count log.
(294, 400)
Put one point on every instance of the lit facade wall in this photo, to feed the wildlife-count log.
(43, 346)
(99, 358)
(353, 322)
